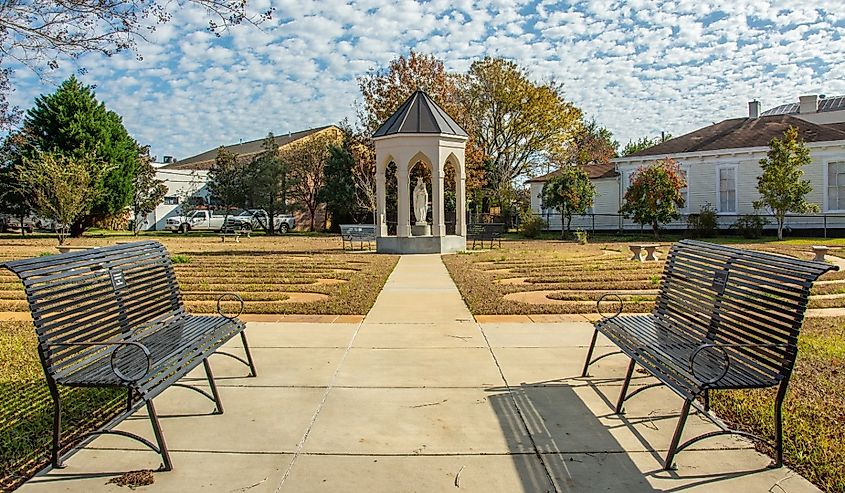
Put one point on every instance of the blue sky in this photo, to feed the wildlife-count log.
(639, 67)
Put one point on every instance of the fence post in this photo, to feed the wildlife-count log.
(825, 225)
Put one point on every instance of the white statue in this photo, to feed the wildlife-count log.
(420, 201)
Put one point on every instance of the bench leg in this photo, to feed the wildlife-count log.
(622, 395)
(679, 430)
(166, 465)
(779, 424)
(252, 371)
(210, 376)
(590, 353)
(56, 460)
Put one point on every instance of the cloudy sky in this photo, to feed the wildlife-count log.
(639, 67)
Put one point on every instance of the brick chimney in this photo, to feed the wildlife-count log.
(754, 109)
(809, 104)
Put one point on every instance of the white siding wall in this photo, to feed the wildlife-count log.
(605, 202)
(179, 183)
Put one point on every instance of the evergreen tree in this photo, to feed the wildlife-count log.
(339, 192)
(15, 198)
(269, 181)
(227, 181)
(71, 122)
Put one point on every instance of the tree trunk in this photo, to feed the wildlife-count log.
(655, 229)
(312, 212)
(271, 212)
(23, 227)
(780, 228)
(77, 228)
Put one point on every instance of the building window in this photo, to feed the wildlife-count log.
(171, 201)
(836, 186)
(727, 189)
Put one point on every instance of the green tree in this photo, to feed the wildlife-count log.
(307, 160)
(270, 181)
(148, 191)
(643, 143)
(654, 197)
(227, 185)
(781, 188)
(15, 198)
(569, 192)
(63, 188)
(339, 192)
(516, 122)
(73, 123)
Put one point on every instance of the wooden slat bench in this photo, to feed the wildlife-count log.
(725, 318)
(113, 317)
(486, 232)
(362, 233)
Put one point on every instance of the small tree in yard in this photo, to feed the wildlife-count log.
(339, 190)
(654, 197)
(570, 192)
(148, 192)
(270, 181)
(307, 159)
(63, 188)
(226, 181)
(781, 188)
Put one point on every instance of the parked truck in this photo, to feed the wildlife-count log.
(259, 219)
(202, 220)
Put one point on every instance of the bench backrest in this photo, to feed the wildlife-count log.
(358, 230)
(96, 295)
(738, 296)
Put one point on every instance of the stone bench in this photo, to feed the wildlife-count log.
(650, 250)
(820, 251)
(69, 248)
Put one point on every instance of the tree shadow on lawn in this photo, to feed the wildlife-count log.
(578, 451)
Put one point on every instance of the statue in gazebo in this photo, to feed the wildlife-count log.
(420, 202)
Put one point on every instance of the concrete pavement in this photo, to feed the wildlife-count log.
(420, 397)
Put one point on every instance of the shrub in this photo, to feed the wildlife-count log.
(581, 236)
(532, 225)
(180, 259)
(705, 223)
(750, 225)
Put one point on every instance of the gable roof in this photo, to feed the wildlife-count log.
(834, 103)
(737, 133)
(204, 160)
(594, 171)
(419, 114)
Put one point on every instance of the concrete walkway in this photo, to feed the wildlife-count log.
(420, 397)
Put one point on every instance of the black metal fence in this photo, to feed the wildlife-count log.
(802, 224)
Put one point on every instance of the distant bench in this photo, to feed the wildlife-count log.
(650, 249)
(236, 234)
(362, 233)
(486, 232)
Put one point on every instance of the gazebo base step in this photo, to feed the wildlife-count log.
(420, 244)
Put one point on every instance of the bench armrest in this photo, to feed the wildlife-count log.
(725, 356)
(119, 345)
(605, 318)
(235, 297)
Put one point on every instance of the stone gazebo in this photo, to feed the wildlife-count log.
(420, 133)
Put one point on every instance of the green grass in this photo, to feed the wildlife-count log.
(814, 409)
(26, 407)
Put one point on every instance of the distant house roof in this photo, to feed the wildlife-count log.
(835, 103)
(419, 114)
(737, 133)
(594, 171)
(204, 160)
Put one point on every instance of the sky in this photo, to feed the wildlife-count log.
(638, 67)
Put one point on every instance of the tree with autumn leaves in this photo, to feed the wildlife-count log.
(654, 196)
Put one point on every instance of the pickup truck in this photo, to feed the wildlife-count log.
(202, 220)
(259, 219)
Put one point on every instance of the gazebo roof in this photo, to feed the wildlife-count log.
(419, 114)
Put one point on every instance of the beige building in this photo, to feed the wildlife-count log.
(721, 164)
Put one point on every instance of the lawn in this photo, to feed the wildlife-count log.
(539, 277)
(272, 274)
(558, 277)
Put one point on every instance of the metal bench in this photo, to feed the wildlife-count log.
(362, 233)
(113, 317)
(725, 318)
(486, 232)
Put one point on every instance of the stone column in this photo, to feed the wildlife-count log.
(438, 221)
(403, 228)
(381, 202)
(460, 201)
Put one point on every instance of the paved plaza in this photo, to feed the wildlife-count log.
(420, 397)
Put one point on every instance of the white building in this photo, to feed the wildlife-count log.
(721, 164)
